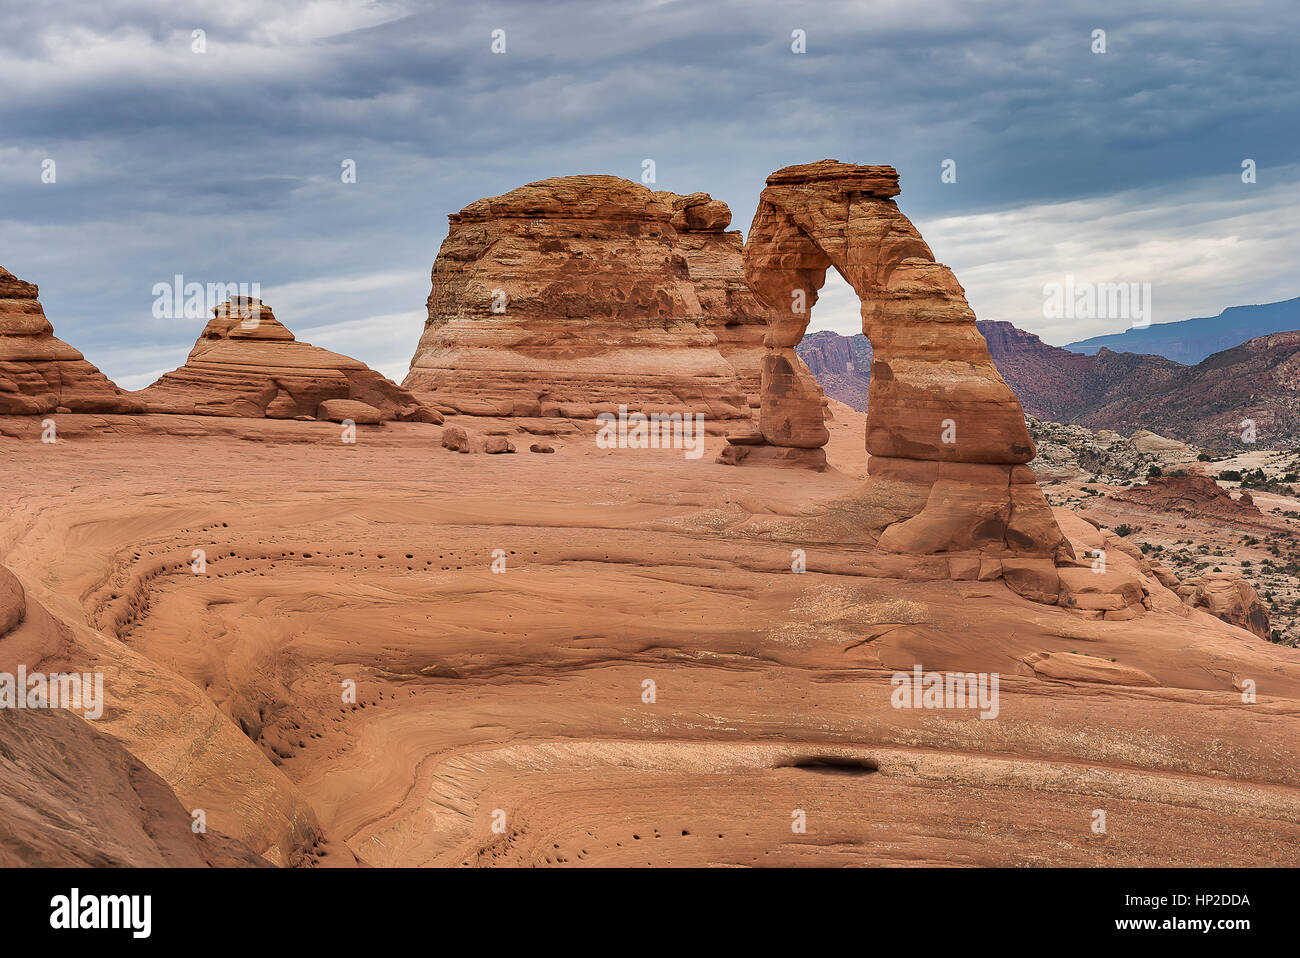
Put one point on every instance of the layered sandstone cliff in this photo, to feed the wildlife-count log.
(40, 373)
(247, 363)
(575, 295)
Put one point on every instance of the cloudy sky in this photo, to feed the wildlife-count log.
(225, 165)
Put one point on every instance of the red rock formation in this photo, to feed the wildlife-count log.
(1191, 495)
(246, 363)
(571, 296)
(1229, 597)
(71, 797)
(940, 415)
(41, 374)
(714, 258)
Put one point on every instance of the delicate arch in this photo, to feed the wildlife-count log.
(938, 410)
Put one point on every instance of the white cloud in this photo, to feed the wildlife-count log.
(1203, 245)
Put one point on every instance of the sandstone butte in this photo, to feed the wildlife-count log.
(247, 363)
(571, 296)
(41, 374)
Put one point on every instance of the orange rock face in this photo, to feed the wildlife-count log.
(246, 363)
(939, 412)
(121, 811)
(570, 296)
(41, 374)
(1231, 598)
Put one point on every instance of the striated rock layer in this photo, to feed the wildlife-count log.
(246, 363)
(574, 295)
(41, 374)
(74, 794)
(939, 413)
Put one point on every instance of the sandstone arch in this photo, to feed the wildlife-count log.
(939, 412)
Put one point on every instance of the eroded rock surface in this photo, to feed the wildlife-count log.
(40, 373)
(71, 795)
(247, 363)
(570, 296)
(522, 691)
(1229, 597)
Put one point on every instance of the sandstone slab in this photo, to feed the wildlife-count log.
(344, 410)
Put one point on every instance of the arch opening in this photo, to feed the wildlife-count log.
(939, 414)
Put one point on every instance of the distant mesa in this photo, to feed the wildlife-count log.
(42, 374)
(840, 364)
(1193, 340)
(571, 296)
(247, 363)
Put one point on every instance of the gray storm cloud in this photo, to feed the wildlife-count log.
(224, 166)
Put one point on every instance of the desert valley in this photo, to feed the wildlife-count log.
(630, 571)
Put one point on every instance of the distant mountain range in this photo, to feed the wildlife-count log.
(841, 364)
(1203, 404)
(1192, 340)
